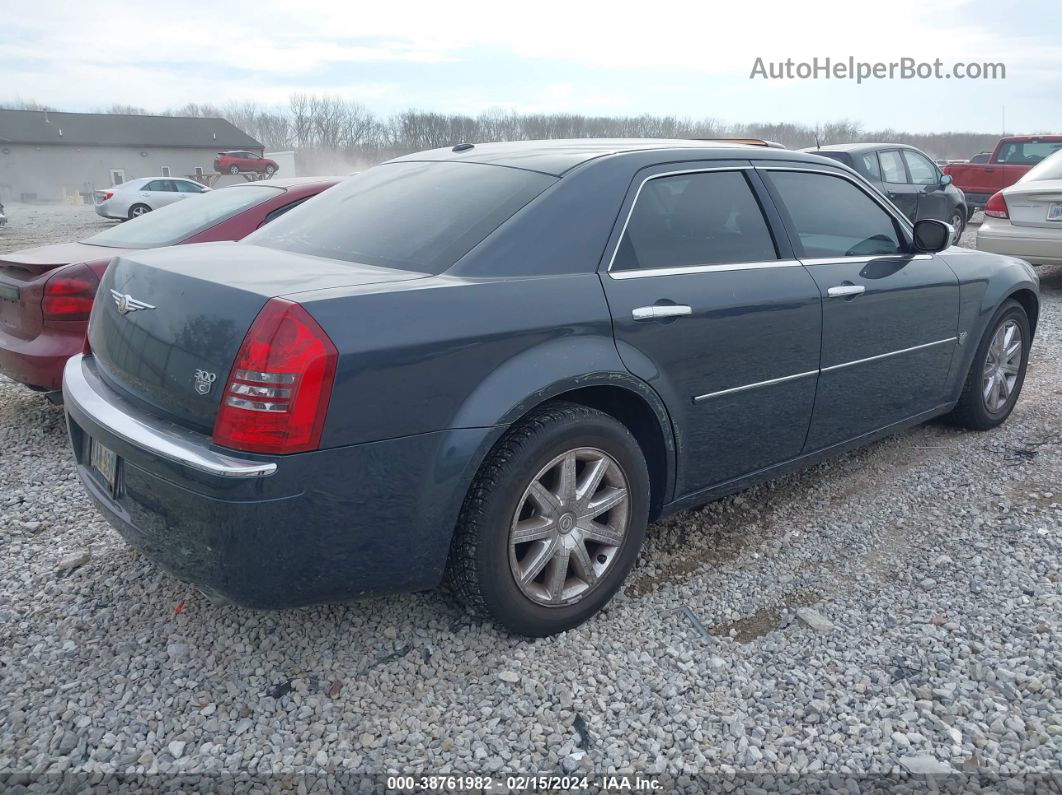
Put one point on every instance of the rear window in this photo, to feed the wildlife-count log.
(840, 157)
(413, 216)
(177, 222)
(1027, 153)
(1048, 168)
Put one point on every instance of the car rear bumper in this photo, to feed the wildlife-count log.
(272, 531)
(107, 210)
(1037, 245)
(38, 362)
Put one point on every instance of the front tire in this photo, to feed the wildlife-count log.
(553, 522)
(270, 170)
(997, 372)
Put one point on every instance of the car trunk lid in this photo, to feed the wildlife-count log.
(23, 275)
(1035, 204)
(168, 323)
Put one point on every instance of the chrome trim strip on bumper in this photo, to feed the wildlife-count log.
(180, 447)
(757, 385)
(833, 367)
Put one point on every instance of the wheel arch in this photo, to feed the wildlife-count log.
(1030, 303)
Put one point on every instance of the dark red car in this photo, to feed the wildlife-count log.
(46, 293)
(242, 161)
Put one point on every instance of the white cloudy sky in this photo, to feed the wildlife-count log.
(682, 58)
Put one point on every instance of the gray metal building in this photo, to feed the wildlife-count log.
(47, 156)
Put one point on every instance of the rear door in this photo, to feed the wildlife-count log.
(710, 308)
(160, 192)
(897, 183)
(889, 317)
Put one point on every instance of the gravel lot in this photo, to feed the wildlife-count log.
(934, 556)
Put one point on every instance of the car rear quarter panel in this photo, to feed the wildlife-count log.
(447, 352)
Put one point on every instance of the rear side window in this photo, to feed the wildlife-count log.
(834, 218)
(414, 216)
(870, 163)
(892, 169)
(695, 219)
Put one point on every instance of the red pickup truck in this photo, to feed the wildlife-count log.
(1012, 157)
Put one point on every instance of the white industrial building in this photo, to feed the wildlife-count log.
(49, 156)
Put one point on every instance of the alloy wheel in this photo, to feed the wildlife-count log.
(1002, 366)
(956, 228)
(569, 527)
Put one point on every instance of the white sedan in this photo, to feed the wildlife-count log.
(1025, 220)
(139, 196)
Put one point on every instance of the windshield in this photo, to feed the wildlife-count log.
(413, 216)
(1048, 168)
(177, 222)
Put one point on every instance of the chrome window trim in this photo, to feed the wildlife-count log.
(863, 258)
(737, 266)
(888, 355)
(757, 385)
(820, 371)
(623, 274)
(170, 443)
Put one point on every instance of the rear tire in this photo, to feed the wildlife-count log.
(234, 170)
(986, 402)
(543, 481)
(138, 210)
(958, 223)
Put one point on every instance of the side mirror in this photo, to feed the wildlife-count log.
(945, 180)
(931, 236)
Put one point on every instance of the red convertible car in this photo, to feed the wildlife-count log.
(46, 293)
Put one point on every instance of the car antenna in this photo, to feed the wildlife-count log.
(462, 147)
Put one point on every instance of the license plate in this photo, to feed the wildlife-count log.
(1054, 212)
(104, 461)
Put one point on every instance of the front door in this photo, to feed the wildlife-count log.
(712, 311)
(933, 200)
(889, 317)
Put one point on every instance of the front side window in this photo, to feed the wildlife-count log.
(834, 218)
(922, 171)
(685, 220)
(419, 216)
(892, 169)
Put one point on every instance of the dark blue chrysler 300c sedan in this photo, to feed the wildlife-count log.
(498, 362)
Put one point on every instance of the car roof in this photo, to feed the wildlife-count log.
(857, 147)
(557, 156)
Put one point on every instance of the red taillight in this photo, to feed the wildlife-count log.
(277, 394)
(996, 206)
(69, 293)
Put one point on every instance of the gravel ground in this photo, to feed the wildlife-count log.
(895, 608)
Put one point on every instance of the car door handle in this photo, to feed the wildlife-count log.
(846, 291)
(660, 311)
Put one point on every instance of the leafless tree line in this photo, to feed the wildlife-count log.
(326, 128)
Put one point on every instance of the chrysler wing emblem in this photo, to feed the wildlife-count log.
(126, 303)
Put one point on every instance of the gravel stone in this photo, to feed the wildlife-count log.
(74, 560)
(100, 673)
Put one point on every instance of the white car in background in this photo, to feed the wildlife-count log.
(1025, 220)
(139, 196)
